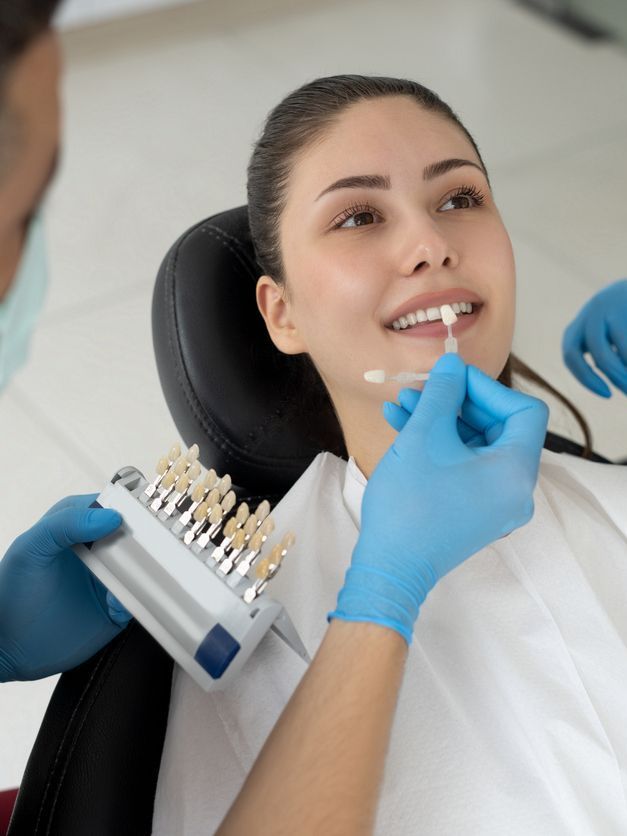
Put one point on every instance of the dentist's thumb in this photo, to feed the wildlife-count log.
(434, 420)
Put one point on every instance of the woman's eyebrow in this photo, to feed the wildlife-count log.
(434, 170)
(380, 181)
(358, 181)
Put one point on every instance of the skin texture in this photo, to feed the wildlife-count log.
(343, 284)
(32, 116)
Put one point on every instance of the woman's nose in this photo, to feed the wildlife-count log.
(427, 248)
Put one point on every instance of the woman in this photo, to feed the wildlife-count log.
(366, 198)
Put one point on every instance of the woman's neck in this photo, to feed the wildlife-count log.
(367, 435)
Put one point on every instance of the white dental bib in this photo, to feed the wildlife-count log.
(512, 717)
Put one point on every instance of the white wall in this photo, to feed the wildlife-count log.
(81, 12)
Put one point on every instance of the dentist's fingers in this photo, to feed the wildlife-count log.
(117, 613)
(435, 417)
(524, 417)
(77, 501)
(573, 348)
(606, 360)
(617, 331)
(473, 423)
(397, 416)
(58, 531)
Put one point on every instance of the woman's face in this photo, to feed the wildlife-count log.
(359, 255)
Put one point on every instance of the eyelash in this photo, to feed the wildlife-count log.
(354, 209)
(470, 191)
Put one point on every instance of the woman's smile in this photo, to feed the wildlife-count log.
(437, 329)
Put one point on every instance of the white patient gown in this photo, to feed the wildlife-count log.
(512, 719)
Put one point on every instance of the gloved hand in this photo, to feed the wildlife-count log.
(476, 428)
(433, 501)
(601, 323)
(54, 613)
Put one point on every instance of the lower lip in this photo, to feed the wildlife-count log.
(438, 330)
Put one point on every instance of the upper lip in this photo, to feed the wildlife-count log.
(433, 300)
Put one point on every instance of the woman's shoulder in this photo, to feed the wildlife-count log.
(586, 468)
(325, 470)
(604, 485)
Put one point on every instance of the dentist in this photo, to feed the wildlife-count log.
(54, 613)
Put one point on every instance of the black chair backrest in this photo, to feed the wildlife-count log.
(256, 414)
(260, 415)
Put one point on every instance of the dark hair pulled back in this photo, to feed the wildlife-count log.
(296, 123)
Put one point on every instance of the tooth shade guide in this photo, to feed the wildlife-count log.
(182, 483)
(211, 479)
(228, 533)
(224, 485)
(262, 511)
(256, 541)
(264, 567)
(449, 317)
(251, 525)
(228, 502)
(203, 508)
(374, 376)
(242, 514)
(216, 515)
(192, 453)
(267, 527)
(288, 541)
(162, 468)
(213, 497)
(239, 539)
(194, 472)
(201, 512)
(180, 466)
(198, 493)
(230, 528)
(169, 479)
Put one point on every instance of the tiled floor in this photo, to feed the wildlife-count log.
(161, 113)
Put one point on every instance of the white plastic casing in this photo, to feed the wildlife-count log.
(194, 615)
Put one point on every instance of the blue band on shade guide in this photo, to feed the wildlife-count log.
(216, 651)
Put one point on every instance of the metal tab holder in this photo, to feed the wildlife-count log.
(194, 615)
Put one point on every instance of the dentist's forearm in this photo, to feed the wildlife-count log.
(321, 768)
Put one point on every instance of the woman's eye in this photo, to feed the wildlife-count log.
(462, 201)
(356, 216)
(465, 198)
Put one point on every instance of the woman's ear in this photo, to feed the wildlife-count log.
(276, 310)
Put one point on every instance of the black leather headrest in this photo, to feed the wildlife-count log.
(256, 413)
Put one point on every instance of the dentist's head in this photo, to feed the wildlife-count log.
(30, 68)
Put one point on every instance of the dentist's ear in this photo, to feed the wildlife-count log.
(275, 307)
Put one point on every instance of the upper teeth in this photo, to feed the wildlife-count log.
(430, 314)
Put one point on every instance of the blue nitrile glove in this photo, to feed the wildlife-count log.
(601, 323)
(54, 614)
(433, 501)
(476, 428)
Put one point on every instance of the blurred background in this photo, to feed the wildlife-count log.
(163, 101)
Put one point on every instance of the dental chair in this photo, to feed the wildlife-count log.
(257, 414)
